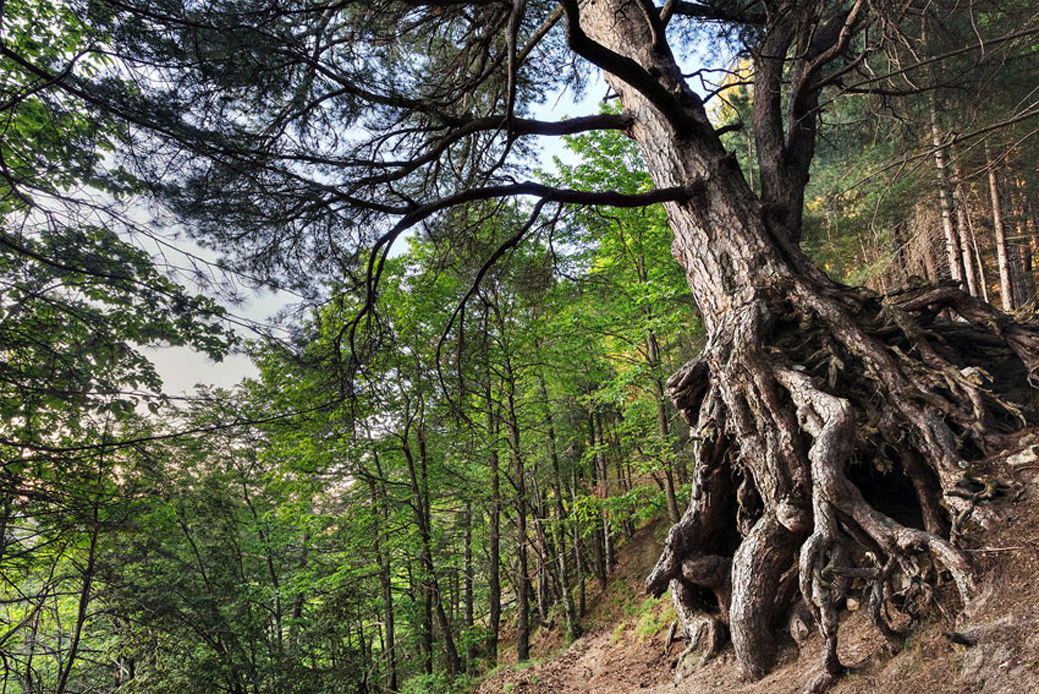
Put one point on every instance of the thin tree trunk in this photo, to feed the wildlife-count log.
(520, 481)
(608, 558)
(433, 598)
(952, 239)
(662, 430)
(494, 532)
(559, 527)
(1031, 212)
(967, 244)
(598, 543)
(1024, 281)
(380, 513)
(87, 586)
(467, 582)
(578, 554)
(541, 549)
(926, 244)
(84, 598)
(1006, 287)
(494, 552)
(901, 250)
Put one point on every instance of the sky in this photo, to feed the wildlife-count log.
(182, 369)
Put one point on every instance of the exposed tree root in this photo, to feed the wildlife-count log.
(791, 395)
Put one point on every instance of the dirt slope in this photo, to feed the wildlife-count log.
(992, 647)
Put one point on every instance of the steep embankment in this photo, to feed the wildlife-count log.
(992, 646)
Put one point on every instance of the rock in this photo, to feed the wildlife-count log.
(800, 623)
(1025, 456)
(706, 640)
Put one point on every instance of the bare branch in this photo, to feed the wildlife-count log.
(746, 14)
(623, 67)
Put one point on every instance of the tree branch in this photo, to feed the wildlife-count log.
(714, 13)
(380, 251)
(520, 126)
(623, 67)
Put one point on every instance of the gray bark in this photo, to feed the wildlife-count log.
(1006, 284)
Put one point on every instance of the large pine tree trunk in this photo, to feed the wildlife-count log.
(798, 375)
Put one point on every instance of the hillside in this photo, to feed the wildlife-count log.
(993, 646)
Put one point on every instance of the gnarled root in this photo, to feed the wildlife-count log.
(829, 420)
(707, 633)
(795, 403)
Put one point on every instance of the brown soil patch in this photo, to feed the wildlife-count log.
(594, 663)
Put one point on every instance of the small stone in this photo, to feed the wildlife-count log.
(1023, 457)
(852, 604)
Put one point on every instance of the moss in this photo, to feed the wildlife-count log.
(618, 633)
(653, 619)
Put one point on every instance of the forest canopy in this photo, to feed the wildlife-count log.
(780, 272)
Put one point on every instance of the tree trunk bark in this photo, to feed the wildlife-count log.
(967, 243)
(603, 470)
(653, 356)
(578, 551)
(1024, 282)
(952, 238)
(494, 531)
(519, 478)
(467, 582)
(573, 629)
(542, 571)
(385, 580)
(1006, 286)
(433, 598)
(598, 542)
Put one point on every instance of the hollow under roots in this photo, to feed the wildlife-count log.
(835, 434)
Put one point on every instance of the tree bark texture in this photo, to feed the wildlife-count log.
(520, 481)
(801, 378)
(952, 238)
(1006, 284)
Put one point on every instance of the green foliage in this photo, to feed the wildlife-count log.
(80, 299)
(653, 619)
(438, 683)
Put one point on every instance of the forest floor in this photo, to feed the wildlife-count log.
(625, 631)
